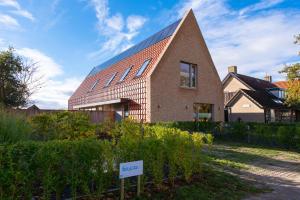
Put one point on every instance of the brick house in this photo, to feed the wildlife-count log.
(169, 76)
(254, 100)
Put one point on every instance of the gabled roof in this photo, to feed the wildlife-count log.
(157, 37)
(261, 98)
(251, 82)
(281, 84)
(150, 48)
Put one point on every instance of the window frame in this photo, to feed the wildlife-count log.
(125, 74)
(94, 85)
(140, 72)
(191, 66)
(111, 79)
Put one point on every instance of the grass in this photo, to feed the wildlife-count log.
(217, 183)
(212, 185)
(243, 156)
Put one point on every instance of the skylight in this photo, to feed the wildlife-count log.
(125, 74)
(110, 80)
(94, 85)
(277, 101)
(143, 67)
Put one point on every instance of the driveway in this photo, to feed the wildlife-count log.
(277, 170)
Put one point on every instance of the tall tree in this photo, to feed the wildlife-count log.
(17, 79)
(293, 76)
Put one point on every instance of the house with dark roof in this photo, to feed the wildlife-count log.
(254, 100)
(169, 76)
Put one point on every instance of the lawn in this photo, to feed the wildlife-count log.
(228, 155)
(224, 162)
(214, 184)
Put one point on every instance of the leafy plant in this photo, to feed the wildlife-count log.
(62, 125)
(13, 128)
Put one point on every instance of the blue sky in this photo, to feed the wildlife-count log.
(68, 37)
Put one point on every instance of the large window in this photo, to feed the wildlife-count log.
(203, 112)
(143, 68)
(187, 75)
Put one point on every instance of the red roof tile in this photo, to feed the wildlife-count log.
(281, 84)
(153, 52)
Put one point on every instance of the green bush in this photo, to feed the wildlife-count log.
(13, 128)
(285, 135)
(193, 126)
(61, 125)
(90, 166)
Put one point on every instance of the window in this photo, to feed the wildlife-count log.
(143, 68)
(187, 75)
(126, 110)
(203, 112)
(94, 85)
(277, 101)
(125, 74)
(110, 80)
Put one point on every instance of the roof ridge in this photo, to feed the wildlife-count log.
(253, 77)
(149, 41)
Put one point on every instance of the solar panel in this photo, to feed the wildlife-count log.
(157, 37)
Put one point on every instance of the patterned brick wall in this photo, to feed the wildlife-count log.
(132, 88)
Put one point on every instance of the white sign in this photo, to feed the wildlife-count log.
(130, 169)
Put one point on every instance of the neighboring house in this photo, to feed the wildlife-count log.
(170, 76)
(254, 100)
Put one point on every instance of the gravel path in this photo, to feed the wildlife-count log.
(275, 169)
(281, 175)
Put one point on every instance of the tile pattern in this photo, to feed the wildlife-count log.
(132, 87)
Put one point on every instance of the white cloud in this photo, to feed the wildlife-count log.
(17, 9)
(55, 93)
(260, 6)
(259, 43)
(135, 22)
(118, 35)
(10, 3)
(48, 68)
(116, 22)
(8, 21)
(23, 13)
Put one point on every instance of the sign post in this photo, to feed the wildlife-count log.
(130, 169)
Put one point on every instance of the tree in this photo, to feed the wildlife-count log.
(17, 79)
(293, 76)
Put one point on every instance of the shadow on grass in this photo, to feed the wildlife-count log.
(211, 185)
(282, 175)
(230, 156)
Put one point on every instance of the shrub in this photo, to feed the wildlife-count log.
(13, 128)
(61, 125)
(89, 166)
(51, 168)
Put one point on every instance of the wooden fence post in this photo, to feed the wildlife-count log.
(122, 189)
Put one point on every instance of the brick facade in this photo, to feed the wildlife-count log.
(156, 95)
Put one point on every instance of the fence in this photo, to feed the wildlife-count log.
(95, 116)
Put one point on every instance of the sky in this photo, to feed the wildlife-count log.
(67, 38)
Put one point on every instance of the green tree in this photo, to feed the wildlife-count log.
(293, 76)
(17, 80)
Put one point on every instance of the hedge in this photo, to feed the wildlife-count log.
(284, 135)
(61, 168)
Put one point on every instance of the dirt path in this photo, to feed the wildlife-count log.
(277, 169)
